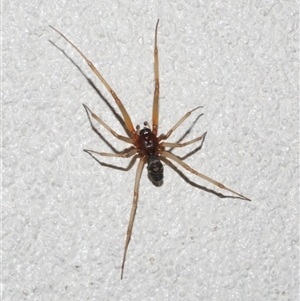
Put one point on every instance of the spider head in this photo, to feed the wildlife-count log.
(147, 142)
(155, 170)
(146, 133)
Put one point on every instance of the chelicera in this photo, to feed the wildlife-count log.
(145, 142)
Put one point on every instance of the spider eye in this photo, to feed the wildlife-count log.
(145, 132)
(155, 170)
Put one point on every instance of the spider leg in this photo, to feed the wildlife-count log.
(164, 137)
(120, 137)
(127, 119)
(187, 167)
(127, 154)
(156, 91)
(169, 144)
(133, 208)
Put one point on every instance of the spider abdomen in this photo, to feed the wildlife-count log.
(155, 169)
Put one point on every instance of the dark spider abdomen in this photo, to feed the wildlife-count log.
(155, 169)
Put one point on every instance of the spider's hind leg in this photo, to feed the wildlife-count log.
(190, 169)
(133, 208)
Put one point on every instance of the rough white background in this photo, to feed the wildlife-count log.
(65, 215)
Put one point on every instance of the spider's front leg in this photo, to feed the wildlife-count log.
(124, 112)
(156, 91)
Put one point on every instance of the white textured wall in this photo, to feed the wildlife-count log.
(65, 216)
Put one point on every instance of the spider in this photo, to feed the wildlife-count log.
(145, 142)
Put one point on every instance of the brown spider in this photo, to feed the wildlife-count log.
(146, 144)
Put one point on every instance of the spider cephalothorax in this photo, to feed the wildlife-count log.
(145, 143)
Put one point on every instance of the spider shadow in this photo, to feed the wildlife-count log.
(91, 83)
(183, 137)
(129, 166)
(198, 186)
(114, 150)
